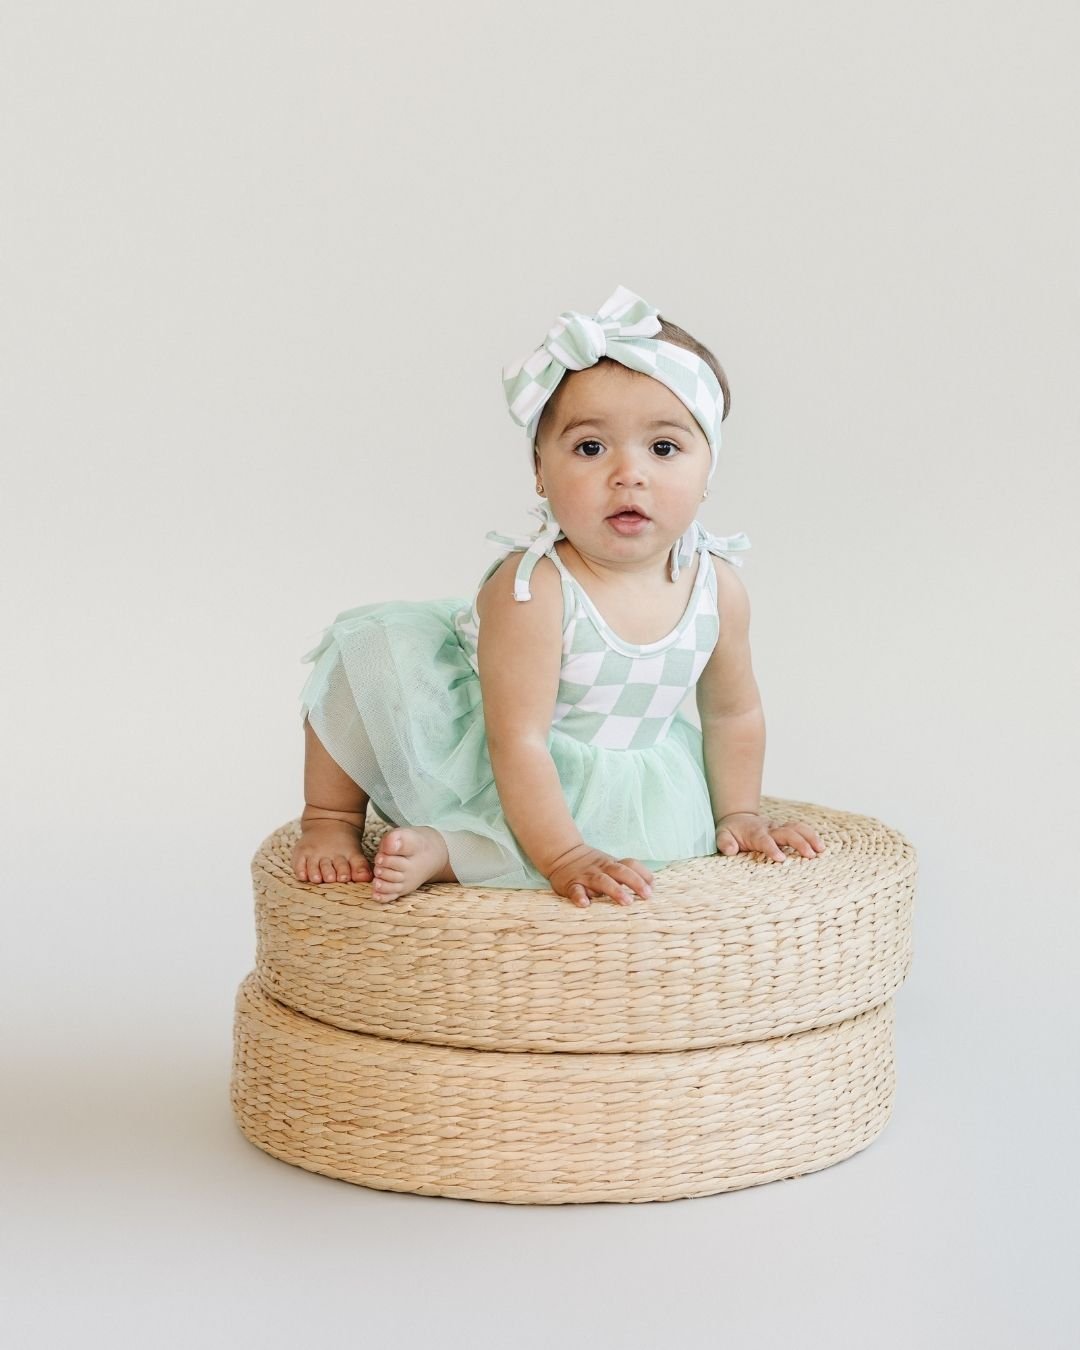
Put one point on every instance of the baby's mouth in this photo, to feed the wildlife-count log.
(629, 521)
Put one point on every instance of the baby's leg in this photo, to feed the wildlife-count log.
(332, 830)
(332, 824)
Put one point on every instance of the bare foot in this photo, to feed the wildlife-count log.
(407, 858)
(330, 850)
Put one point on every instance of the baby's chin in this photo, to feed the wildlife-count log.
(608, 544)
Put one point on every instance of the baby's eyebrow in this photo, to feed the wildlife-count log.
(602, 422)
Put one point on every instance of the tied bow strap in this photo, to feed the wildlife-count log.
(573, 342)
(697, 536)
(624, 329)
(535, 546)
(544, 539)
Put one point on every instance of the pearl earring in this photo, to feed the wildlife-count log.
(704, 494)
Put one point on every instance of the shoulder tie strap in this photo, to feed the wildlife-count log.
(535, 546)
(698, 537)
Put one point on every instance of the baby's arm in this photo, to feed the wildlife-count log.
(732, 719)
(733, 735)
(519, 654)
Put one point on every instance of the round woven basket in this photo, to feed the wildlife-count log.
(726, 950)
(735, 1028)
(556, 1128)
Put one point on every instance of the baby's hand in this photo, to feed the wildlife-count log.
(755, 834)
(583, 872)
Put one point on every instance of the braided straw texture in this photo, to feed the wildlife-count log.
(556, 1128)
(727, 949)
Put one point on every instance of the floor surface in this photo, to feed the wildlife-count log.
(136, 1213)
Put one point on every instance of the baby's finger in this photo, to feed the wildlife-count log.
(793, 834)
(629, 876)
(639, 868)
(768, 845)
(607, 885)
(627, 883)
(579, 894)
(726, 842)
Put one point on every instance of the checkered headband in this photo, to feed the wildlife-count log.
(621, 328)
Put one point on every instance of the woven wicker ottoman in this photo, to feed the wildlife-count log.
(735, 1028)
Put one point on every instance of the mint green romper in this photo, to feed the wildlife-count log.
(395, 698)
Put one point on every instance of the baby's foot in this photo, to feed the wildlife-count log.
(407, 858)
(330, 850)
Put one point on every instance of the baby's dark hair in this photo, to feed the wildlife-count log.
(678, 337)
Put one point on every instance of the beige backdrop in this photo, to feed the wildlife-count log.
(262, 265)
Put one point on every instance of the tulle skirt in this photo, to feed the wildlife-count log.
(393, 698)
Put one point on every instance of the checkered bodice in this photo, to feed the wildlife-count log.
(618, 694)
(623, 695)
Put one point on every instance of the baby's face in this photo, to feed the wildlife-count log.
(613, 438)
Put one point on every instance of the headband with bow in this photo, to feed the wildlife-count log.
(622, 329)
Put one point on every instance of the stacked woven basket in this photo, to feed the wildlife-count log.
(735, 1028)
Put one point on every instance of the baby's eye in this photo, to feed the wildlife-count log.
(664, 449)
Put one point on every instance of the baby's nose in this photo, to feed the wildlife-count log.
(628, 471)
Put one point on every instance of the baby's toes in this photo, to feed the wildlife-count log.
(385, 873)
(391, 843)
(361, 868)
(382, 862)
(384, 888)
